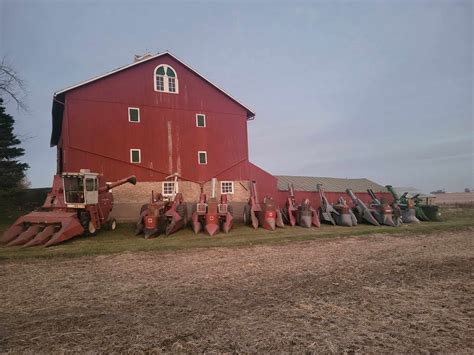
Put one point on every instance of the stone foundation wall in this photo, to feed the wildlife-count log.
(128, 199)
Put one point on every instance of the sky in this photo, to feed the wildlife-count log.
(375, 89)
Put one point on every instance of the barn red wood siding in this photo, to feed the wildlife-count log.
(96, 132)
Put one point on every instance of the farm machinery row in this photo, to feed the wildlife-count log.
(80, 204)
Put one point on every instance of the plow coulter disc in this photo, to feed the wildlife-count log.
(26, 236)
(41, 237)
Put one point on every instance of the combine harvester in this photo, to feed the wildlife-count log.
(162, 215)
(78, 204)
(339, 214)
(405, 204)
(361, 211)
(266, 215)
(210, 215)
(303, 215)
(382, 211)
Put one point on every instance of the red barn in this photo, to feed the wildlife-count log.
(153, 118)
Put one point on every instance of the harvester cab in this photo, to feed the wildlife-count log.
(266, 215)
(361, 211)
(80, 189)
(77, 204)
(381, 210)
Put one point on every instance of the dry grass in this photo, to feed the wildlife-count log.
(123, 240)
(375, 294)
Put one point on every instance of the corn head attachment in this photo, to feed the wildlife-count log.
(306, 215)
(345, 216)
(290, 211)
(163, 215)
(266, 215)
(405, 204)
(382, 211)
(361, 211)
(77, 204)
(211, 215)
(326, 211)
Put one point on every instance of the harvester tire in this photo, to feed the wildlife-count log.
(112, 224)
(91, 229)
(85, 220)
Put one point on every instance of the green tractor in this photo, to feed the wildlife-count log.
(425, 211)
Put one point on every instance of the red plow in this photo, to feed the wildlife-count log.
(77, 204)
(265, 215)
(210, 215)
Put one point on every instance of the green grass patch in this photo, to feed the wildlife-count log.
(123, 239)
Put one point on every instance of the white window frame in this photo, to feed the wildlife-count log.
(130, 116)
(197, 124)
(175, 186)
(232, 187)
(139, 156)
(199, 155)
(165, 80)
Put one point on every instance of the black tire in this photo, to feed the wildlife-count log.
(112, 224)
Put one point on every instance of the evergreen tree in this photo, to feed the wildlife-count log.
(12, 171)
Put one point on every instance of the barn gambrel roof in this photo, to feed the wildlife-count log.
(58, 109)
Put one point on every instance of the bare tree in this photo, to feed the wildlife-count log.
(12, 85)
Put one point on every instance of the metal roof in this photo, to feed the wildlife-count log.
(309, 183)
(250, 113)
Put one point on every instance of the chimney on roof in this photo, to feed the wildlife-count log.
(140, 57)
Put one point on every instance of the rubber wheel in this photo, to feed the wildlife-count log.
(91, 229)
(112, 224)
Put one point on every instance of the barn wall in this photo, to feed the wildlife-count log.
(96, 129)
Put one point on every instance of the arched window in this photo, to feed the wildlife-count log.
(166, 79)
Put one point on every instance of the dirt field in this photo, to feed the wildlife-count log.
(455, 197)
(380, 293)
